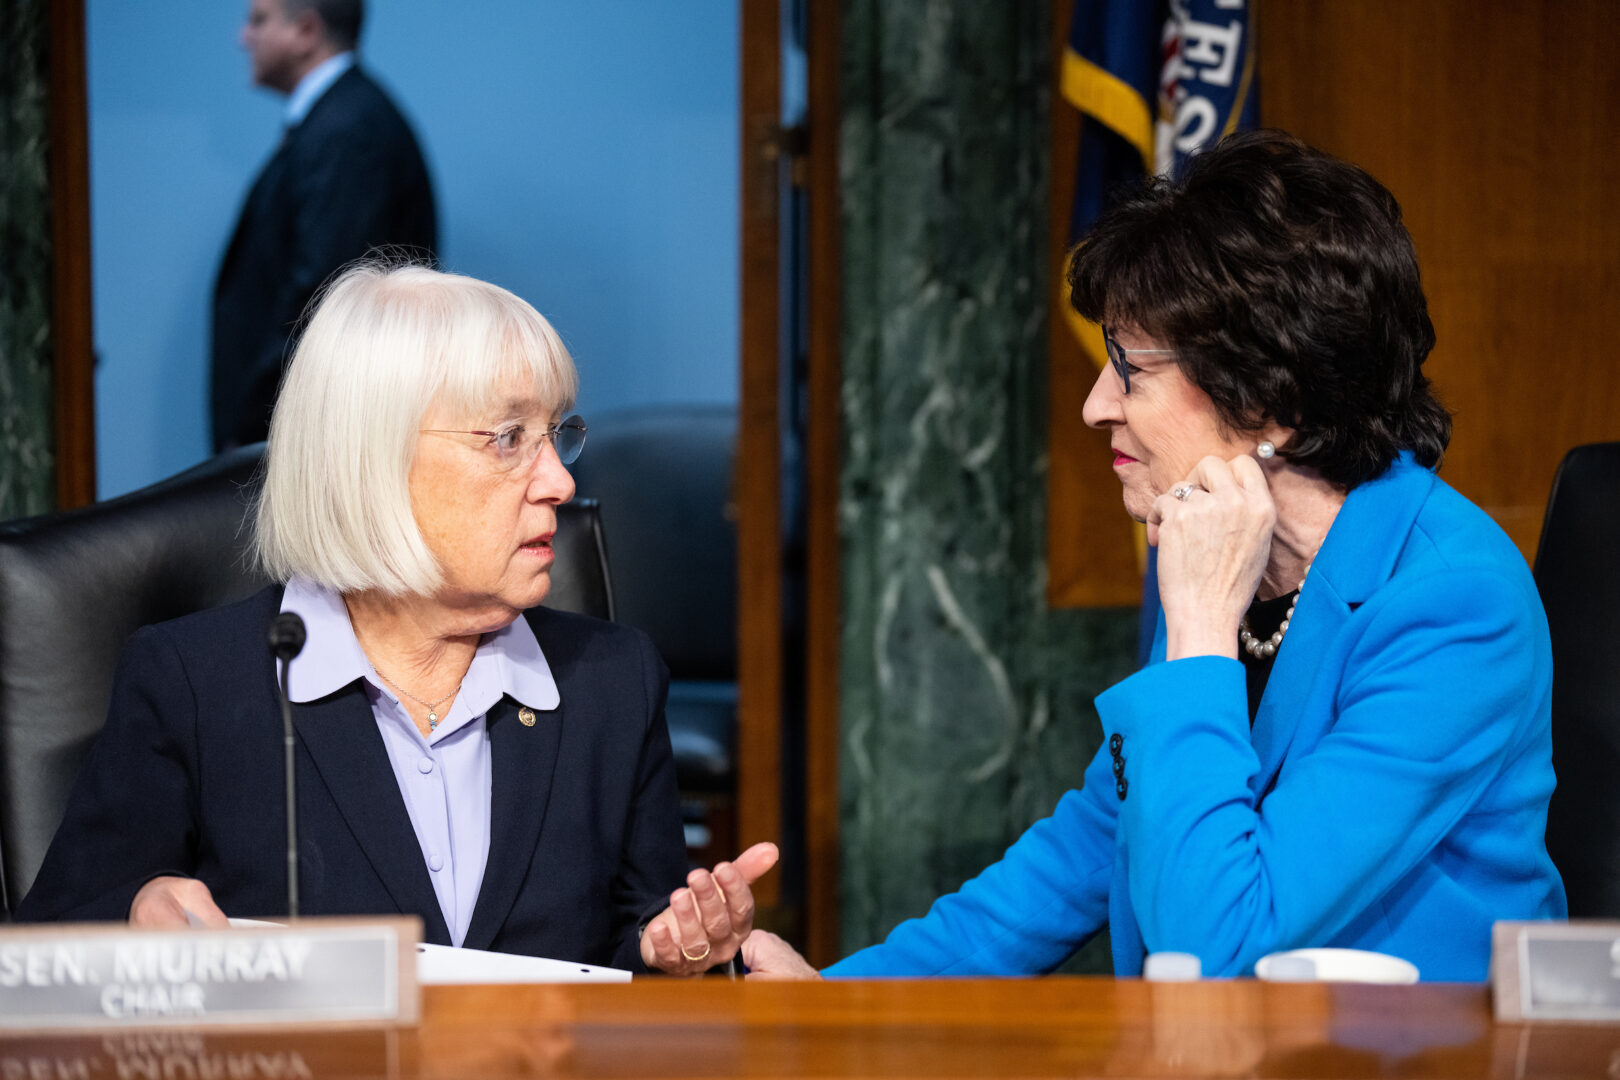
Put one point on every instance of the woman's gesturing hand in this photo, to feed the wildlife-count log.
(706, 921)
(1213, 545)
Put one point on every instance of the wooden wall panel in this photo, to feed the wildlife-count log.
(1091, 548)
(73, 375)
(825, 458)
(1494, 125)
(759, 445)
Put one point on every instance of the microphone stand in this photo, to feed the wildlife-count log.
(287, 637)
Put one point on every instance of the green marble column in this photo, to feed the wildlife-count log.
(966, 703)
(26, 476)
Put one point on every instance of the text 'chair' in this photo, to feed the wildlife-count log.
(1578, 573)
(75, 585)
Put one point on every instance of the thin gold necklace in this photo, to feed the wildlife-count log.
(432, 706)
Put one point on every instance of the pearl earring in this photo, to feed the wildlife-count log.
(1265, 450)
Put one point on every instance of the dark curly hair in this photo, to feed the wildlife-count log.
(1288, 286)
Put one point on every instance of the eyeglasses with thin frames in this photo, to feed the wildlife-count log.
(1120, 357)
(518, 442)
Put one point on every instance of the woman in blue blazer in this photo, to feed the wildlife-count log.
(500, 770)
(1343, 738)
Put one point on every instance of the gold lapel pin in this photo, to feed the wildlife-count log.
(526, 716)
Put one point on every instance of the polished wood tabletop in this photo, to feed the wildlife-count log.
(1052, 1027)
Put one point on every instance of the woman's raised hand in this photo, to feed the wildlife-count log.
(1213, 545)
(707, 920)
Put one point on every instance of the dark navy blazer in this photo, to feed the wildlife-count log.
(186, 778)
(346, 179)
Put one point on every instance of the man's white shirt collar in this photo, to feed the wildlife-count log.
(314, 83)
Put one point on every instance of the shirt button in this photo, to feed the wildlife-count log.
(1115, 743)
(1119, 789)
(1119, 767)
(436, 863)
(425, 765)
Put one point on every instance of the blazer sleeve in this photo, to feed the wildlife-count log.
(132, 814)
(1025, 914)
(1436, 694)
(652, 861)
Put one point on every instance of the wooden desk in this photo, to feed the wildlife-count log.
(1057, 1027)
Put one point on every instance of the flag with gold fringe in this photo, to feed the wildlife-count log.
(1155, 81)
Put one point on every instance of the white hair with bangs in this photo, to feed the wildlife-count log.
(384, 343)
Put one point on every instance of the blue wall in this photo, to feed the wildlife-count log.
(584, 155)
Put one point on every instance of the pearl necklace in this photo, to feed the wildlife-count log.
(1265, 650)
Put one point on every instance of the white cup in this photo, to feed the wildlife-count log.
(1335, 965)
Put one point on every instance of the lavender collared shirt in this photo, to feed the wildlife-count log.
(445, 777)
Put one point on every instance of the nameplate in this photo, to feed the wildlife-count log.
(313, 972)
(210, 1054)
(1556, 971)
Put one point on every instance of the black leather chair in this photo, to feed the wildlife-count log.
(75, 585)
(1578, 573)
(663, 476)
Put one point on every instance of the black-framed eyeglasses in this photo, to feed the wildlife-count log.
(1120, 357)
(518, 442)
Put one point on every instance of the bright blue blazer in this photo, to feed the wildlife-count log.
(1392, 794)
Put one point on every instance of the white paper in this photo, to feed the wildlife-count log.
(442, 965)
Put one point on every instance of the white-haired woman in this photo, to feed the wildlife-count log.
(500, 769)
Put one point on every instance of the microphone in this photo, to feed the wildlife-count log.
(287, 636)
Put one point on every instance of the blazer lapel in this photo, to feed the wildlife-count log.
(523, 759)
(341, 736)
(1317, 620)
(1357, 557)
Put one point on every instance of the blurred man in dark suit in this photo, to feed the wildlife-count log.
(347, 177)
